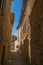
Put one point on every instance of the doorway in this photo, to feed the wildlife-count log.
(3, 55)
(26, 47)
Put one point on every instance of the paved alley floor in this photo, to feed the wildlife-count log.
(17, 59)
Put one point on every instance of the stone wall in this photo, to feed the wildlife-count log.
(5, 34)
(36, 20)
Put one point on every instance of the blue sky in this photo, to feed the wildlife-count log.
(16, 8)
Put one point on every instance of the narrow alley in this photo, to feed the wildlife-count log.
(21, 32)
(17, 59)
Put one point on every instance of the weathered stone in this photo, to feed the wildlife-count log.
(5, 33)
(36, 33)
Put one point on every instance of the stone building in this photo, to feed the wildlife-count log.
(24, 30)
(14, 38)
(5, 30)
(22, 14)
(34, 17)
(36, 21)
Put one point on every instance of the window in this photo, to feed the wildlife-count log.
(0, 3)
(21, 33)
(24, 28)
(2, 6)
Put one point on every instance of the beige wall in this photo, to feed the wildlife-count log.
(27, 29)
(26, 22)
(13, 46)
(5, 32)
(19, 31)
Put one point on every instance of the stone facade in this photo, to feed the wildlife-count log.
(24, 30)
(14, 38)
(32, 17)
(36, 20)
(5, 31)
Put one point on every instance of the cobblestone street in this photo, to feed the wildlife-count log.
(17, 59)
